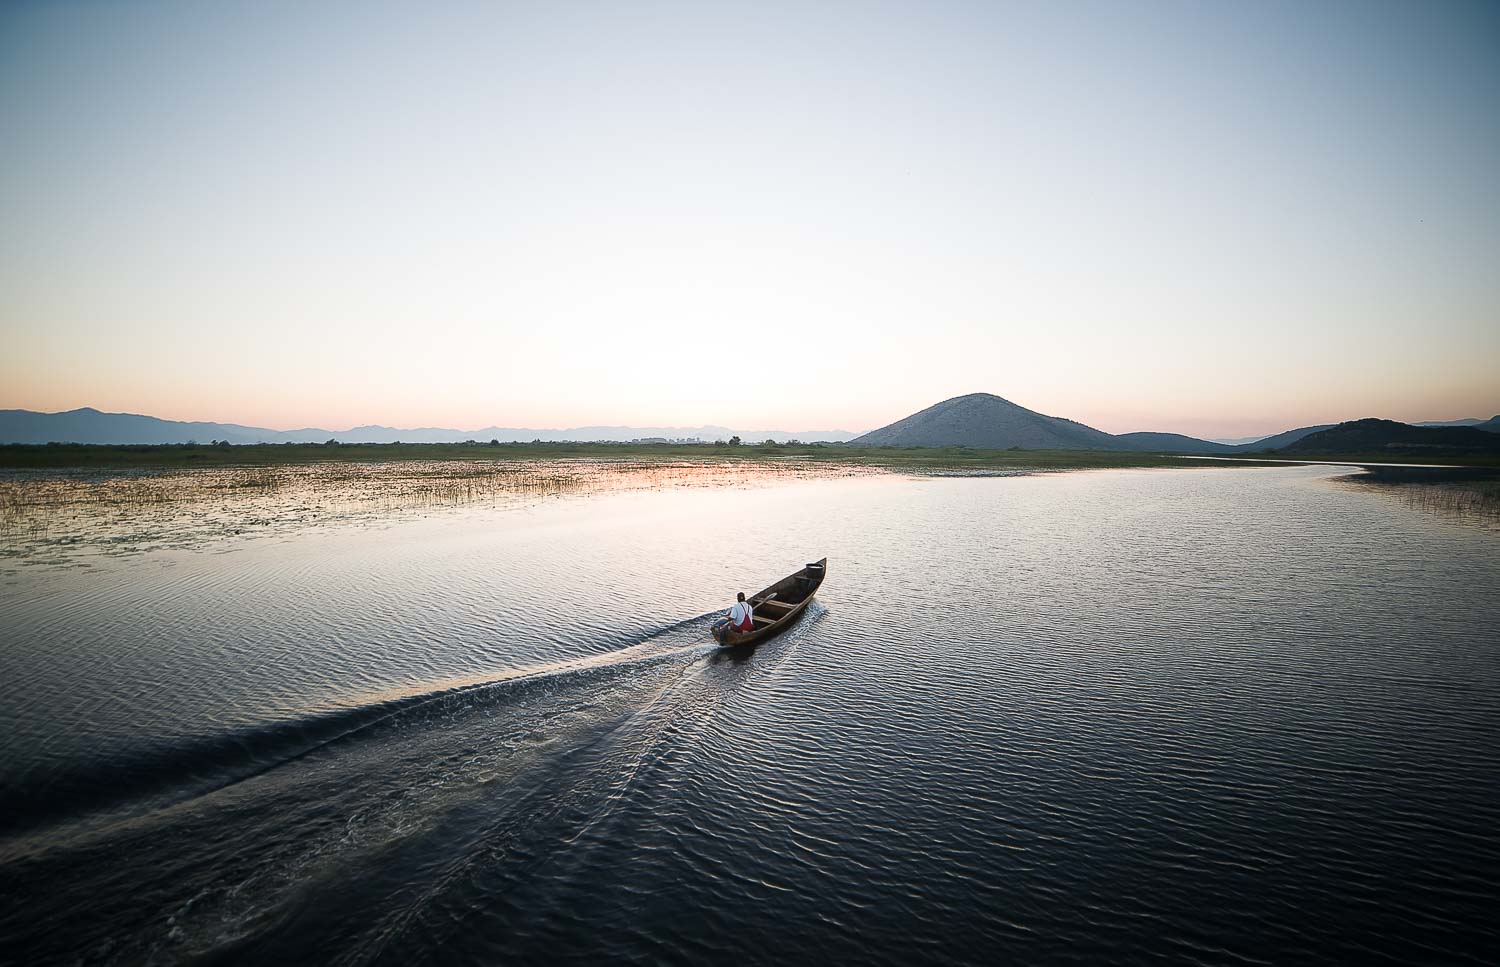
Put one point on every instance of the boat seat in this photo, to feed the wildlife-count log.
(778, 604)
(762, 621)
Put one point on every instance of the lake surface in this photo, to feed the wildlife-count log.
(1209, 716)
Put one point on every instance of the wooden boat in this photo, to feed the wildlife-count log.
(777, 607)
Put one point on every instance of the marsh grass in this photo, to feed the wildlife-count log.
(1468, 501)
(45, 512)
(185, 457)
(118, 500)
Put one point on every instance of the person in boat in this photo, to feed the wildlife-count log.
(741, 618)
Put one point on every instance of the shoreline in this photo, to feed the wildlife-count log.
(84, 457)
(191, 456)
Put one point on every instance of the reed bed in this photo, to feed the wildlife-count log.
(1474, 502)
(62, 516)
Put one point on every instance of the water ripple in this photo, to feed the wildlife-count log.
(1227, 716)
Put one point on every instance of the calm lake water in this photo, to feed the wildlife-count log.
(1208, 716)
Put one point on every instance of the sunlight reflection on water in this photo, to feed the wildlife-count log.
(1091, 717)
(62, 518)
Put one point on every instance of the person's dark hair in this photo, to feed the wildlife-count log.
(741, 596)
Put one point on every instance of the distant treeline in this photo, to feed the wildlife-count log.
(219, 453)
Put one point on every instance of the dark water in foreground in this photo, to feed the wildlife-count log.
(1212, 716)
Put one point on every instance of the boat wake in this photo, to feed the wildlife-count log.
(372, 830)
(96, 795)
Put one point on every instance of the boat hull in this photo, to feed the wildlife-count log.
(779, 605)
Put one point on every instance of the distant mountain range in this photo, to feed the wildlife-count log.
(88, 425)
(979, 420)
(985, 421)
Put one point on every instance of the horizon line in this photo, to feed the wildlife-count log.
(662, 427)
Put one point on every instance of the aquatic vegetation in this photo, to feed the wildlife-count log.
(1475, 501)
(63, 516)
(71, 456)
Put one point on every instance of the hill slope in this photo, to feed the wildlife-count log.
(988, 422)
(1281, 439)
(1377, 436)
(1169, 443)
(88, 425)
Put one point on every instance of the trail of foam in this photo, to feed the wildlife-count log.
(501, 857)
(87, 798)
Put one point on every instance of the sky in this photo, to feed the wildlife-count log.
(1211, 218)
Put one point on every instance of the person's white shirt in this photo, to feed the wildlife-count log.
(740, 613)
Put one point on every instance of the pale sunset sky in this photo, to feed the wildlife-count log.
(1220, 219)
